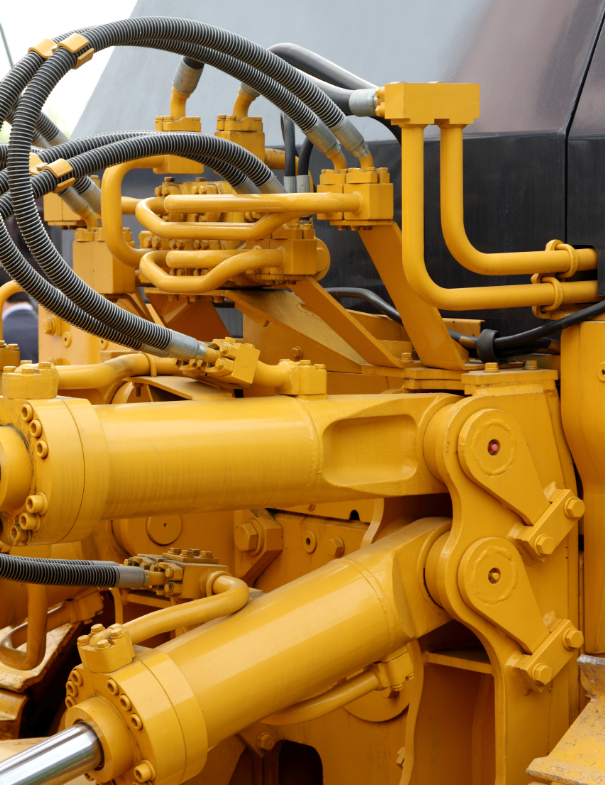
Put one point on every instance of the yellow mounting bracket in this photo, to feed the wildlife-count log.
(435, 103)
(59, 168)
(74, 43)
(45, 48)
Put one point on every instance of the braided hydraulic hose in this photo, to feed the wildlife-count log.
(65, 572)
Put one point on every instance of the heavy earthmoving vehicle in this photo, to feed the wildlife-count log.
(361, 546)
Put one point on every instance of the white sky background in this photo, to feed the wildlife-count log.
(26, 22)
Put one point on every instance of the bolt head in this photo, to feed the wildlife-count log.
(545, 545)
(266, 741)
(575, 508)
(116, 631)
(336, 547)
(573, 639)
(491, 368)
(102, 645)
(246, 537)
(542, 674)
(96, 628)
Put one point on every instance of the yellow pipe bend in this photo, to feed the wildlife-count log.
(89, 377)
(242, 104)
(145, 213)
(465, 299)
(178, 104)
(35, 627)
(111, 208)
(452, 223)
(327, 702)
(225, 271)
(6, 290)
(229, 595)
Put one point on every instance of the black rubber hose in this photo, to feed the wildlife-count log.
(521, 339)
(289, 146)
(45, 293)
(197, 56)
(325, 70)
(468, 341)
(187, 144)
(304, 159)
(59, 572)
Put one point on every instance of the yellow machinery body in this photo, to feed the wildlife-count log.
(362, 561)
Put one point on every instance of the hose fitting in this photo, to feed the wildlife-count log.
(323, 139)
(186, 78)
(352, 140)
(362, 103)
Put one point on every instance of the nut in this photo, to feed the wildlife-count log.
(574, 508)
(297, 353)
(542, 674)
(573, 639)
(265, 741)
(336, 547)
(246, 537)
(545, 545)
(491, 368)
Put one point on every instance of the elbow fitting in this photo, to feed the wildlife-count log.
(362, 103)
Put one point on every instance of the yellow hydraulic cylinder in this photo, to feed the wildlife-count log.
(125, 461)
(172, 703)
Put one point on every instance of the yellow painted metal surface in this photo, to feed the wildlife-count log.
(363, 545)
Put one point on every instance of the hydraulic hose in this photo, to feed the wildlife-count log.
(338, 83)
(66, 572)
(188, 144)
(500, 347)
(290, 151)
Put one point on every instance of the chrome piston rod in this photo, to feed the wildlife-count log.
(55, 761)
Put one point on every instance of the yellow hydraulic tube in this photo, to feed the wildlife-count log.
(111, 208)
(465, 299)
(327, 702)
(264, 203)
(200, 260)
(452, 222)
(178, 104)
(36, 633)
(230, 595)
(223, 272)
(242, 104)
(91, 377)
(145, 213)
(6, 290)
(129, 205)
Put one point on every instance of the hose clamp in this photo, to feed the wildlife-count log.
(574, 260)
(59, 169)
(558, 293)
(45, 48)
(74, 44)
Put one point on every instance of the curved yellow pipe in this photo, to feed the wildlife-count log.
(111, 208)
(230, 595)
(200, 260)
(327, 702)
(242, 104)
(36, 633)
(452, 222)
(465, 299)
(89, 377)
(264, 203)
(6, 290)
(225, 271)
(208, 231)
(178, 104)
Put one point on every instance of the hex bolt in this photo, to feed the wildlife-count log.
(573, 639)
(83, 640)
(96, 628)
(265, 741)
(246, 537)
(542, 674)
(575, 508)
(116, 631)
(545, 545)
(336, 547)
(102, 645)
(297, 353)
(144, 771)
